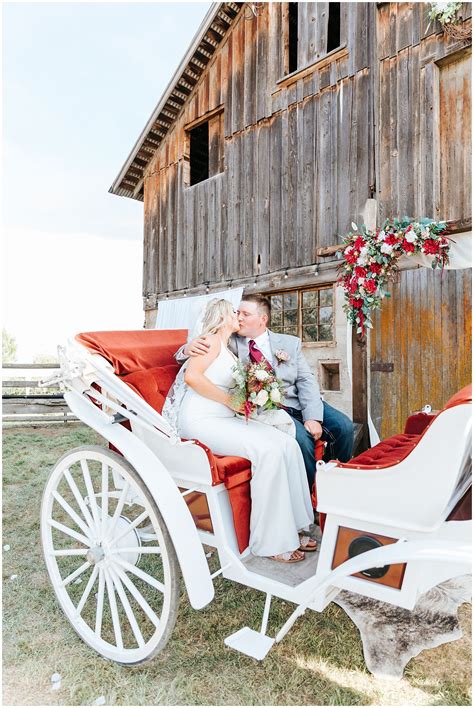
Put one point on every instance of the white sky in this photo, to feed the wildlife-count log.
(80, 81)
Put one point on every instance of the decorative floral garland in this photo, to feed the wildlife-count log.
(370, 261)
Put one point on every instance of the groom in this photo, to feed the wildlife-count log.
(313, 417)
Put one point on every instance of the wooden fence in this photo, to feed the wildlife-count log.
(23, 401)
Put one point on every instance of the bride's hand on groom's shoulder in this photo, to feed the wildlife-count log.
(197, 346)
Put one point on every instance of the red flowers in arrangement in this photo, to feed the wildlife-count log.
(370, 261)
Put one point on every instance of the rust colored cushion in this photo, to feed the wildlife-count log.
(153, 384)
(387, 453)
(418, 422)
(130, 351)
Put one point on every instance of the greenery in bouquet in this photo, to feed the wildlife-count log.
(370, 261)
(256, 388)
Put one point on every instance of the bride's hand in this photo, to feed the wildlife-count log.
(197, 346)
(237, 409)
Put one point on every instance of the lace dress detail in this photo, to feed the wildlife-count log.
(174, 398)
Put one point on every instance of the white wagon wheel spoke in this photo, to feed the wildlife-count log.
(118, 509)
(113, 609)
(133, 524)
(140, 574)
(105, 497)
(69, 552)
(76, 573)
(87, 590)
(79, 498)
(69, 510)
(138, 597)
(69, 532)
(137, 549)
(100, 604)
(127, 607)
(90, 493)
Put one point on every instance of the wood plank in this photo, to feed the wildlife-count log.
(404, 25)
(238, 76)
(318, 17)
(250, 60)
(248, 172)
(29, 366)
(181, 240)
(263, 196)
(261, 61)
(275, 193)
(404, 136)
(324, 148)
(210, 262)
(285, 226)
(292, 191)
(224, 231)
(226, 91)
(383, 31)
(272, 56)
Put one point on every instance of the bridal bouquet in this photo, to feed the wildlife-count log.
(256, 388)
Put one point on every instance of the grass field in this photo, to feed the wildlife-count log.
(320, 661)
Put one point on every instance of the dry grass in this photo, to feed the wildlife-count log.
(320, 662)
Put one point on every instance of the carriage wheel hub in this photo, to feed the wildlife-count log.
(95, 555)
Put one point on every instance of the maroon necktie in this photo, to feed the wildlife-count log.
(256, 356)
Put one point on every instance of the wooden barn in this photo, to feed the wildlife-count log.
(286, 122)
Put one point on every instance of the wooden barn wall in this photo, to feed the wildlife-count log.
(424, 331)
(299, 156)
(423, 152)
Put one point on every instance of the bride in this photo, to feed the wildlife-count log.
(281, 501)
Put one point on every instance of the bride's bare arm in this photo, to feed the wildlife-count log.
(196, 379)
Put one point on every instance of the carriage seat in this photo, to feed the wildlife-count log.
(144, 360)
(397, 448)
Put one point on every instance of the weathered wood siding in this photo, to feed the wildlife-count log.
(424, 116)
(298, 155)
(424, 330)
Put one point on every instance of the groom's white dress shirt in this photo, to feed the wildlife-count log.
(263, 343)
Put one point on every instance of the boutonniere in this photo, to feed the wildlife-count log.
(282, 356)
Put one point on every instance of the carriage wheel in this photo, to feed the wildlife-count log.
(109, 555)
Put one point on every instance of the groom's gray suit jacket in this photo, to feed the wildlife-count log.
(301, 388)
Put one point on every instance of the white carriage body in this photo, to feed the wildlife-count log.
(407, 503)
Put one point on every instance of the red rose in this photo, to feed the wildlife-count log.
(360, 272)
(408, 247)
(391, 240)
(376, 268)
(370, 286)
(351, 256)
(359, 243)
(431, 246)
(356, 302)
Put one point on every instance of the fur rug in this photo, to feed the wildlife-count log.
(391, 636)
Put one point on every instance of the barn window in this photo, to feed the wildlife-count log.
(204, 148)
(311, 31)
(334, 26)
(308, 314)
(292, 36)
(199, 153)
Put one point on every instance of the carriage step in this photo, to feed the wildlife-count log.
(250, 642)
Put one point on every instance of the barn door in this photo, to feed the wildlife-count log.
(420, 347)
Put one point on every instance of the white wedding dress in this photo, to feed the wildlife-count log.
(281, 503)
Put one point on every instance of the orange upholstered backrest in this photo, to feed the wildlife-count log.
(135, 350)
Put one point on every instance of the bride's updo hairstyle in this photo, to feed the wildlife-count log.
(216, 315)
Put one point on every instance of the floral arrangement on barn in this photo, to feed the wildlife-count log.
(256, 387)
(370, 261)
(447, 13)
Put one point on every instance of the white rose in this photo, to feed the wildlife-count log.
(410, 236)
(262, 398)
(261, 375)
(361, 260)
(386, 248)
(381, 236)
(425, 233)
(361, 281)
(275, 395)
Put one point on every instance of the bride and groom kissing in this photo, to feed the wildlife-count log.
(283, 465)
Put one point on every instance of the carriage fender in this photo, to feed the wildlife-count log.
(162, 487)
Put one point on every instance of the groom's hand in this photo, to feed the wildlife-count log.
(197, 346)
(314, 427)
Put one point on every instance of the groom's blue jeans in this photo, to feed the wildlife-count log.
(338, 432)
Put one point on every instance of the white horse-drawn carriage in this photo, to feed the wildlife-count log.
(118, 524)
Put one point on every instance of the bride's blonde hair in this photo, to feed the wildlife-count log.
(215, 315)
